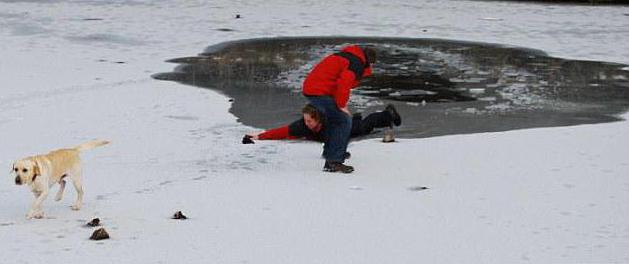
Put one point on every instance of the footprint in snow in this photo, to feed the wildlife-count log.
(199, 178)
(165, 183)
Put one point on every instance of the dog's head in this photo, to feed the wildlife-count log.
(26, 171)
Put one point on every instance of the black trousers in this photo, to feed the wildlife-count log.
(361, 127)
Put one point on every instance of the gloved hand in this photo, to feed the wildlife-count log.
(247, 140)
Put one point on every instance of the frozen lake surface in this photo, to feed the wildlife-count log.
(75, 70)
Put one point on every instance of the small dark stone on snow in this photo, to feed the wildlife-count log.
(94, 222)
(178, 215)
(237, 16)
(99, 234)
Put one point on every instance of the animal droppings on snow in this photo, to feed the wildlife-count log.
(179, 216)
(99, 234)
(94, 222)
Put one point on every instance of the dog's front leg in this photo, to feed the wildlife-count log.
(36, 210)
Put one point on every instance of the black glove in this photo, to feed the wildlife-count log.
(247, 140)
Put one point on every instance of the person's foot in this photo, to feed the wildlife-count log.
(395, 116)
(332, 166)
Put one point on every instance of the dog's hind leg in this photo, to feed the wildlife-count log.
(76, 181)
(62, 186)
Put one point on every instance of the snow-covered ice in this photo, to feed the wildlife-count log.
(77, 70)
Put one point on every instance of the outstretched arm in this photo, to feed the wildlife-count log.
(273, 134)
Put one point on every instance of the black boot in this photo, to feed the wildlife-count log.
(395, 116)
(333, 166)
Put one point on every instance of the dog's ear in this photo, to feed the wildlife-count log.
(13, 167)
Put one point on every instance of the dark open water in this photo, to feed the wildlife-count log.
(440, 87)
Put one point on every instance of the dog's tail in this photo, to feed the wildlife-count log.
(91, 144)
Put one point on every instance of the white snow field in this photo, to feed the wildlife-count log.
(72, 71)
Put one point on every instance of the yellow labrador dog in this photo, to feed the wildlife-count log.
(42, 171)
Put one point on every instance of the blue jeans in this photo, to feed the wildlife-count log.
(337, 127)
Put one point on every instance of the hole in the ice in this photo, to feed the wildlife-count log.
(439, 86)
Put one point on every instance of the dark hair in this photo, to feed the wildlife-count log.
(370, 54)
(312, 111)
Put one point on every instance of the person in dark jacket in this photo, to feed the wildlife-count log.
(327, 87)
(310, 126)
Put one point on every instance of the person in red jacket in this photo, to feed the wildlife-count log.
(327, 87)
(311, 127)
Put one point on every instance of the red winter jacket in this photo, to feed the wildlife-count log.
(333, 77)
(294, 130)
(277, 133)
